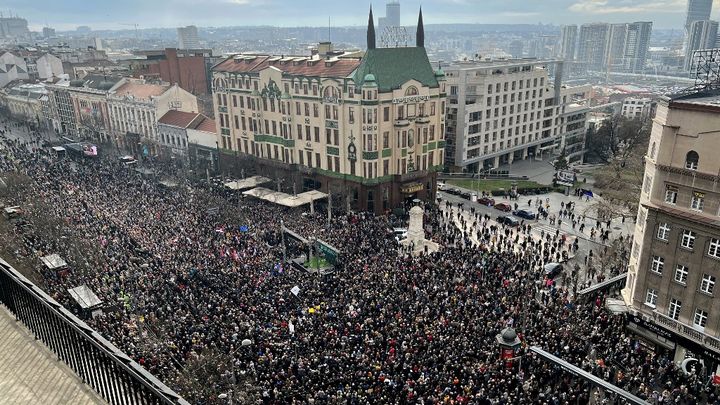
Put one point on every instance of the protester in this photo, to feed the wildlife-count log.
(385, 327)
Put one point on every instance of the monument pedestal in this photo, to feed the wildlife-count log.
(416, 234)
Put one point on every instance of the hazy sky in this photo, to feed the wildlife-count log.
(109, 14)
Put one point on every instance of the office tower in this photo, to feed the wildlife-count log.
(392, 16)
(674, 262)
(13, 27)
(636, 46)
(188, 37)
(568, 42)
(702, 35)
(592, 45)
(697, 10)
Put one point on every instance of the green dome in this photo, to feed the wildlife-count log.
(439, 73)
(369, 77)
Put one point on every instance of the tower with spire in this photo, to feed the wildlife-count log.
(371, 31)
(420, 33)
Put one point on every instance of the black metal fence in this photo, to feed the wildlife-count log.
(101, 365)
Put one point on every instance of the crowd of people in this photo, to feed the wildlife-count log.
(204, 301)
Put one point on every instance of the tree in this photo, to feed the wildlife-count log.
(561, 163)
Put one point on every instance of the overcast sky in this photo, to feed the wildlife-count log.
(109, 14)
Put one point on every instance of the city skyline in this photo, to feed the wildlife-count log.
(665, 14)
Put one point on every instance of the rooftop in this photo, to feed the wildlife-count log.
(291, 65)
(394, 66)
(484, 64)
(141, 90)
(188, 120)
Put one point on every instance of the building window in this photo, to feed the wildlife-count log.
(674, 309)
(714, 248)
(691, 160)
(671, 195)
(707, 284)
(688, 239)
(648, 184)
(657, 265)
(681, 274)
(651, 297)
(697, 201)
(663, 232)
(700, 319)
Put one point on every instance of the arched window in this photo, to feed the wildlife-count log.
(411, 91)
(691, 160)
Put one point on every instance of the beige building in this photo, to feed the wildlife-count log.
(368, 128)
(135, 108)
(675, 260)
(501, 111)
(24, 101)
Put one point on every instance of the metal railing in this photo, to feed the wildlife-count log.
(101, 365)
(617, 282)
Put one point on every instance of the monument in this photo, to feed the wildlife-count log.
(416, 234)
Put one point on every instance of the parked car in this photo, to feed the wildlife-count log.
(486, 201)
(526, 214)
(552, 269)
(508, 220)
(504, 207)
(465, 194)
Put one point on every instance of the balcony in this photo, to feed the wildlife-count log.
(687, 331)
(402, 122)
(422, 119)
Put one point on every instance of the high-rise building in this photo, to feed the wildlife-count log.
(674, 266)
(515, 48)
(697, 10)
(615, 57)
(48, 32)
(188, 37)
(637, 44)
(508, 110)
(13, 27)
(568, 42)
(702, 35)
(592, 45)
(368, 129)
(392, 16)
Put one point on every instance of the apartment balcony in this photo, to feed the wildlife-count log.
(422, 119)
(402, 122)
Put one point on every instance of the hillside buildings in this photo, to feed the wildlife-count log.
(370, 128)
(675, 259)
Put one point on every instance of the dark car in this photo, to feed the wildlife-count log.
(504, 207)
(526, 214)
(552, 269)
(465, 194)
(486, 201)
(508, 220)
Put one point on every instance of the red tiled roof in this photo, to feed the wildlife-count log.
(206, 125)
(180, 119)
(317, 67)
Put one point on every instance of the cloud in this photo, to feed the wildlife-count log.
(627, 6)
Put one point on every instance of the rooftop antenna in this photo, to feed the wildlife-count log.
(329, 29)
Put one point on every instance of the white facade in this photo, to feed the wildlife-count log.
(134, 112)
(49, 66)
(507, 110)
(12, 68)
(636, 107)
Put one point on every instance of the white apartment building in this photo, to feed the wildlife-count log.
(634, 107)
(505, 110)
(135, 108)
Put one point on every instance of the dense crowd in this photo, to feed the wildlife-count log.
(182, 285)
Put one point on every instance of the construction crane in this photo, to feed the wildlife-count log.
(137, 36)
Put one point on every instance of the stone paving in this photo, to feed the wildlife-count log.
(31, 374)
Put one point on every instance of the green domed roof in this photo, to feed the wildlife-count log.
(369, 77)
(439, 73)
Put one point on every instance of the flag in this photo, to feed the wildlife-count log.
(244, 228)
(295, 290)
